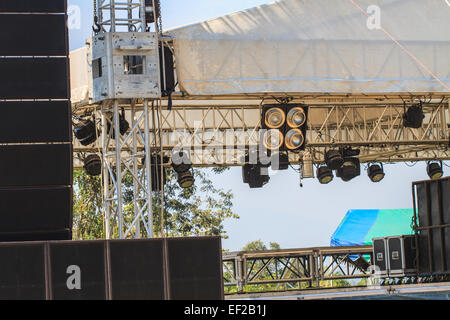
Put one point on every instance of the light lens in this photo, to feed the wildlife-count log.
(294, 139)
(275, 118)
(273, 139)
(434, 171)
(296, 117)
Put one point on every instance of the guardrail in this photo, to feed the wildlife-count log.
(296, 269)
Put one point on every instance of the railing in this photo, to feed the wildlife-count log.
(296, 269)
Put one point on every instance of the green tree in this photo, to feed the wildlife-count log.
(197, 211)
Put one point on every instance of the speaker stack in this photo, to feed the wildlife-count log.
(155, 269)
(35, 122)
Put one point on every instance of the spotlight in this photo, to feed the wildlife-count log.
(186, 179)
(93, 165)
(86, 132)
(334, 159)
(376, 172)
(413, 117)
(294, 139)
(324, 174)
(350, 169)
(183, 170)
(123, 125)
(296, 117)
(275, 118)
(434, 170)
(256, 175)
(273, 139)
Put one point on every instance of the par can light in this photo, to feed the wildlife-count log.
(296, 117)
(350, 169)
(93, 165)
(294, 139)
(334, 159)
(324, 174)
(376, 173)
(273, 139)
(86, 133)
(434, 170)
(275, 118)
(186, 179)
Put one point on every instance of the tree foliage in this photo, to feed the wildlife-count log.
(197, 211)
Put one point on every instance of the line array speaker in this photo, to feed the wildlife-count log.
(155, 269)
(35, 136)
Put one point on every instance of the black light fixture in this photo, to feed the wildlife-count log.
(183, 170)
(284, 127)
(413, 117)
(334, 159)
(93, 165)
(434, 170)
(256, 175)
(351, 168)
(86, 132)
(155, 171)
(376, 172)
(124, 125)
(324, 174)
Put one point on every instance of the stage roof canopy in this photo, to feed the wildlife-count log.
(318, 46)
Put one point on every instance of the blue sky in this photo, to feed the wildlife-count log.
(282, 211)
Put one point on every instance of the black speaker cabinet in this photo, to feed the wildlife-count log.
(195, 268)
(22, 271)
(78, 270)
(42, 6)
(137, 269)
(432, 222)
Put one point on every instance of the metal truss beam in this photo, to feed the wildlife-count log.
(219, 134)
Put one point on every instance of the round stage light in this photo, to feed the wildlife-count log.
(294, 139)
(93, 165)
(324, 174)
(376, 173)
(434, 170)
(334, 159)
(350, 169)
(86, 133)
(186, 179)
(275, 118)
(296, 117)
(273, 139)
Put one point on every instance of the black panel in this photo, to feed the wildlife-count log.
(65, 234)
(38, 78)
(22, 272)
(167, 71)
(35, 165)
(137, 270)
(395, 254)
(32, 210)
(83, 259)
(410, 252)
(32, 122)
(33, 35)
(195, 269)
(380, 254)
(50, 6)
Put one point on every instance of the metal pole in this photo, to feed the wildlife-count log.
(119, 210)
(148, 166)
(106, 204)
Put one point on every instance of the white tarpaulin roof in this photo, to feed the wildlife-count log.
(318, 46)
